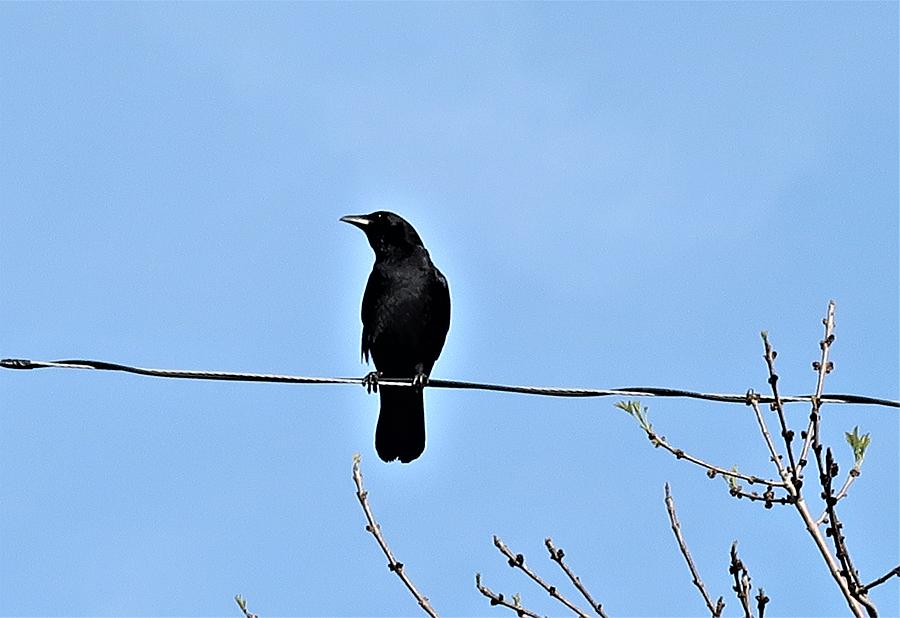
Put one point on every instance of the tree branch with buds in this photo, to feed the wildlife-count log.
(500, 599)
(790, 472)
(714, 610)
(373, 527)
(557, 554)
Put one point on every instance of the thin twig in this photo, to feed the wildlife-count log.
(518, 561)
(242, 603)
(761, 601)
(753, 400)
(828, 470)
(834, 524)
(658, 440)
(795, 485)
(714, 610)
(499, 599)
(835, 531)
(631, 391)
(373, 527)
(833, 567)
(741, 581)
(823, 367)
(768, 497)
(842, 492)
(557, 554)
(852, 476)
(786, 434)
(895, 572)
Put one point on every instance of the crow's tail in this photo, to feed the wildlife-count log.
(400, 433)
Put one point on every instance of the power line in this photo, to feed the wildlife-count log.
(632, 391)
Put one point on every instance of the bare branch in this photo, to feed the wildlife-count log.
(823, 367)
(499, 599)
(833, 567)
(714, 610)
(634, 409)
(741, 581)
(791, 473)
(842, 492)
(842, 570)
(761, 601)
(517, 561)
(859, 444)
(895, 572)
(852, 476)
(373, 527)
(796, 483)
(835, 531)
(753, 401)
(242, 603)
(768, 497)
(557, 554)
(786, 434)
(681, 454)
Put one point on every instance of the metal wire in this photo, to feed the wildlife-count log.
(632, 391)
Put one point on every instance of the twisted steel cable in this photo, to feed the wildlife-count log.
(551, 391)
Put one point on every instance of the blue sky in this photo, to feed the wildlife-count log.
(619, 194)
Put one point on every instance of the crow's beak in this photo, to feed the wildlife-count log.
(360, 221)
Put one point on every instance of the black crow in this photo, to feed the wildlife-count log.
(405, 318)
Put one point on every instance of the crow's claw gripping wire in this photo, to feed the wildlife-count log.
(370, 381)
(420, 381)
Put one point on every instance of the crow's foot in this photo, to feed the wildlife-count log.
(420, 381)
(370, 381)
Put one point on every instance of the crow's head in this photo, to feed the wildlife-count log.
(388, 233)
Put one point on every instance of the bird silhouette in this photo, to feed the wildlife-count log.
(405, 319)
